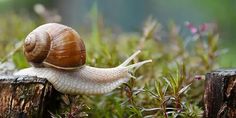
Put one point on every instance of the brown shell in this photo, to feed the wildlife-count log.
(55, 45)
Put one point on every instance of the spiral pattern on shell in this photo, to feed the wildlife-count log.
(55, 45)
(36, 47)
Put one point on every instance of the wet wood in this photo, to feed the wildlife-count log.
(26, 97)
(220, 94)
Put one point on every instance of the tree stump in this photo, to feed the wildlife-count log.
(24, 97)
(220, 94)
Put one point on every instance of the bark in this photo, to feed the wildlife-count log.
(24, 97)
(220, 94)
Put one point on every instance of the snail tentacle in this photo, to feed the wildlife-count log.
(127, 61)
(139, 64)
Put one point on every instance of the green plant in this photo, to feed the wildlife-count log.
(165, 88)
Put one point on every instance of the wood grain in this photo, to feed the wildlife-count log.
(24, 97)
(220, 94)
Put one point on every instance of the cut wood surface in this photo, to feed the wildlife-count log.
(220, 94)
(24, 97)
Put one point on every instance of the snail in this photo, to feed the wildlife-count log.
(57, 53)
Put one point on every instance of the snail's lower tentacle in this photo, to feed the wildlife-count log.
(139, 64)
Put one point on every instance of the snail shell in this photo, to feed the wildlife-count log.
(55, 45)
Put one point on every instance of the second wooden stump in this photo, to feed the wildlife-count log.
(220, 94)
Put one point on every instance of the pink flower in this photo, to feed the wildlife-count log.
(203, 27)
(199, 77)
(192, 28)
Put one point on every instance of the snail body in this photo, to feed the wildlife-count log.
(72, 83)
(63, 44)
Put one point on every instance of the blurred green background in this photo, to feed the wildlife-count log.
(112, 30)
(129, 16)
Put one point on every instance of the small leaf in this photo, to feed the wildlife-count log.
(65, 99)
(167, 81)
(136, 111)
(184, 89)
(158, 90)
